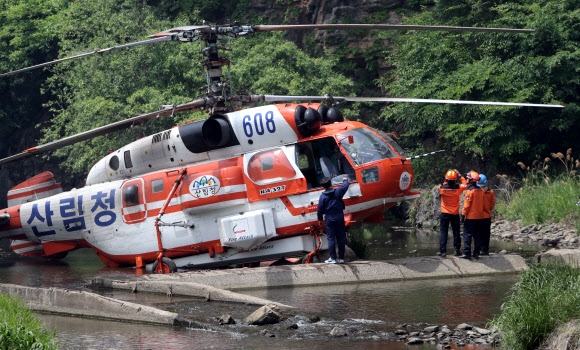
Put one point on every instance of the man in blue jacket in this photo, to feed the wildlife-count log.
(331, 206)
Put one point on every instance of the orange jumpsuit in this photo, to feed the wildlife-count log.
(489, 203)
(450, 193)
(475, 215)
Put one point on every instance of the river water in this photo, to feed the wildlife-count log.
(368, 309)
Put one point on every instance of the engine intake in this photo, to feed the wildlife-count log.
(206, 135)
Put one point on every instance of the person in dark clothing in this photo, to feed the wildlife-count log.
(450, 192)
(330, 207)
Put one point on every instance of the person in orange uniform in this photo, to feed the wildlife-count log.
(474, 215)
(489, 197)
(450, 191)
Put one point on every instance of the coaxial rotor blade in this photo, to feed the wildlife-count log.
(85, 54)
(181, 29)
(460, 102)
(123, 124)
(283, 98)
(179, 33)
(268, 28)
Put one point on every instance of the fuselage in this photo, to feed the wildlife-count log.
(250, 177)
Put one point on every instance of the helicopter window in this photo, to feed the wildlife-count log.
(392, 142)
(114, 163)
(370, 175)
(305, 161)
(327, 155)
(268, 166)
(367, 147)
(128, 162)
(131, 195)
(302, 160)
(157, 185)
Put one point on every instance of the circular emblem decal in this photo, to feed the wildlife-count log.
(404, 180)
(204, 186)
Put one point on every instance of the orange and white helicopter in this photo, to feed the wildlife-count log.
(241, 186)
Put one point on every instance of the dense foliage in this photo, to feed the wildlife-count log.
(20, 329)
(536, 68)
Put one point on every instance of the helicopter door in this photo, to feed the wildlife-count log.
(134, 205)
(272, 173)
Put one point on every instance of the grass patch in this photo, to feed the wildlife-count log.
(545, 297)
(548, 192)
(20, 329)
(553, 202)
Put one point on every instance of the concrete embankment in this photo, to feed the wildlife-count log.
(196, 283)
(84, 304)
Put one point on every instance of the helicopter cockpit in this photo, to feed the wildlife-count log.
(322, 157)
(367, 146)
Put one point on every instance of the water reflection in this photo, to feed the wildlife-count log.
(387, 241)
(378, 307)
(452, 301)
(75, 271)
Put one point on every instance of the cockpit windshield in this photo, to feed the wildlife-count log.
(364, 146)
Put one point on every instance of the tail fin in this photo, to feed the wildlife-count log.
(40, 186)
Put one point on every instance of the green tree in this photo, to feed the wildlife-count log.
(102, 89)
(269, 64)
(534, 68)
(26, 38)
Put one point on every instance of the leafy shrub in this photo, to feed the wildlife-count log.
(20, 330)
(545, 297)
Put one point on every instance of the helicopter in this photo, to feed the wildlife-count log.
(241, 186)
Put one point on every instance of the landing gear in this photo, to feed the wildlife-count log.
(314, 259)
(167, 266)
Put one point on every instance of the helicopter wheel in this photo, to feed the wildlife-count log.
(167, 266)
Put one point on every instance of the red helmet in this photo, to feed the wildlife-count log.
(451, 175)
(473, 176)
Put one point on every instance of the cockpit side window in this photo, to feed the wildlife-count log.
(366, 146)
(322, 158)
(392, 142)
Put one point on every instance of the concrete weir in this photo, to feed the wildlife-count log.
(84, 304)
(214, 284)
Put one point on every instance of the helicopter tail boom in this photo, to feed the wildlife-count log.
(40, 186)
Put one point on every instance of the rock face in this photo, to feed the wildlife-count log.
(425, 210)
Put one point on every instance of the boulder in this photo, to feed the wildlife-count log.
(267, 314)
